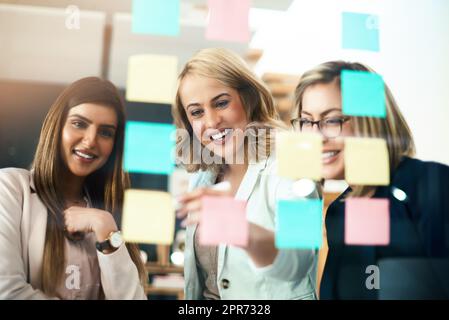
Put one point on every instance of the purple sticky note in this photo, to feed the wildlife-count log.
(228, 20)
(367, 221)
(223, 220)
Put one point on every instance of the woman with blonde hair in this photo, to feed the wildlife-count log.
(418, 194)
(228, 113)
(58, 233)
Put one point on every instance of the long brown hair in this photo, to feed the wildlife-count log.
(228, 68)
(393, 128)
(105, 186)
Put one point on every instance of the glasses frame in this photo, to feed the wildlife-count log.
(296, 123)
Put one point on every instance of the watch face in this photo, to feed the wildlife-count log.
(116, 239)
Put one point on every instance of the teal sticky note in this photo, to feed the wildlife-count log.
(363, 94)
(149, 147)
(299, 224)
(360, 31)
(159, 17)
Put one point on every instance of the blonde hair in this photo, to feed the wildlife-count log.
(393, 128)
(230, 70)
(105, 186)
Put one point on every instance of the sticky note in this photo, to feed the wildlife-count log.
(367, 221)
(148, 217)
(366, 161)
(360, 31)
(159, 17)
(363, 94)
(228, 20)
(299, 155)
(223, 220)
(149, 147)
(299, 224)
(152, 78)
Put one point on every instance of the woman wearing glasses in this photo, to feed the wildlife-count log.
(418, 194)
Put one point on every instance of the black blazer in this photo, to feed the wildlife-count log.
(419, 230)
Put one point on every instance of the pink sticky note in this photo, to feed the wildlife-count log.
(367, 221)
(223, 220)
(228, 20)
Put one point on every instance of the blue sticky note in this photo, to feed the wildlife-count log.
(363, 94)
(149, 147)
(299, 224)
(159, 17)
(360, 31)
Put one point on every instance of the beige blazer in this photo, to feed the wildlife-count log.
(23, 220)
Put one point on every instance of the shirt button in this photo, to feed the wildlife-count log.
(225, 283)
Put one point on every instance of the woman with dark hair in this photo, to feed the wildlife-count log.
(58, 232)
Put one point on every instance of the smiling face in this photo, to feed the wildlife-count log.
(215, 113)
(87, 138)
(323, 101)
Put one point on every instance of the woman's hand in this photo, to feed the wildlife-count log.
(79, 219)
(190, 204)
(260, 246)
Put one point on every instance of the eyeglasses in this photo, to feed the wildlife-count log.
(329, 127)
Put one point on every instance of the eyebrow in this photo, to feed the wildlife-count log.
(90, 122)
(323, 113)
(195, 104)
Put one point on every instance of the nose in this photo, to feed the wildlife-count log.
(316, 128)
(90, 137)
(212, 118)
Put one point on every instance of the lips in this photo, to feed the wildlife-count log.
(84, 155)
(218, 136)
(329, 156)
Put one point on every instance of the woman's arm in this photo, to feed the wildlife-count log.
(13, 276)
(286, 265)
(119, 275)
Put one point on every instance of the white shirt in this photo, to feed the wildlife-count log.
(293, 272)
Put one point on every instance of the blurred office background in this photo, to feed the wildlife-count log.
(39, 56)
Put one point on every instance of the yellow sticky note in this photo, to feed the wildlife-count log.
(152, 78)
(299, 155)
(148, 217)
(366, 161)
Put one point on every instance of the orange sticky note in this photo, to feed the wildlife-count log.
(148, 217)
(228, 20)
(223, 220)
(366, 161)
(367, 221)
(299, 155)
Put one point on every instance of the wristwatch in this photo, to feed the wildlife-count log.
(112, 242)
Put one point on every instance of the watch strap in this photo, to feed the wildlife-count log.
(104, 245)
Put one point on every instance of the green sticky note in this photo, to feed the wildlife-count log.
(363, 94)
(360, 31)
(149, 147)
(159, 17)
(299, 224)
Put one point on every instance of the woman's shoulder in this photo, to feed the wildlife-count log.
(201, 178)
(14, 184)
(15, 175)
(416, 170)
(284, 187)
